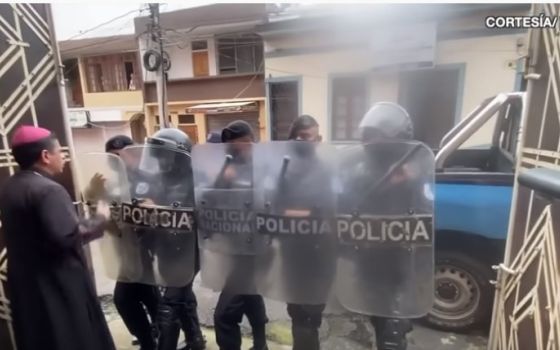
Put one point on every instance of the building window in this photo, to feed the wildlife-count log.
(284, 107)
(156, 123)
(74, 94)
(240, 54)
(112, 73)
(185, 118)
(348, 105)
(199, 45)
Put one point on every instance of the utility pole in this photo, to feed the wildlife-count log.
(161, 75)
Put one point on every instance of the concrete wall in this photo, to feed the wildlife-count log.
(486, 73)
(113, 99)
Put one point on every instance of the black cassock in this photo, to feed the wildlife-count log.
(53, 301)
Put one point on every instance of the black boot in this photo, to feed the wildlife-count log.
(305, 338)
(196, 344)
(306, 320)
(391, 333)
(259, 337)
(191, 327)
(167, 328)
(265, 347)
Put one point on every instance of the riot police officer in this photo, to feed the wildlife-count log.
(306, 319)
(384, 131)
(231, 305)
(178, 307)
(132, 299)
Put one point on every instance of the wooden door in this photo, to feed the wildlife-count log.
(200, 63)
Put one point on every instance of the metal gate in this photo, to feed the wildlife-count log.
(527, 304)
(29, 94)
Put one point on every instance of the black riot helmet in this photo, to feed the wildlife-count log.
(386, 121)
(167, 148)
(172, 138)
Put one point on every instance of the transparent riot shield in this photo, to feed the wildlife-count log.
(295, 204)
(160, 213)
(225, 217)
(103, 178)
(385, 229)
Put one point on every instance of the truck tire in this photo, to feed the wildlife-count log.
(463, 293)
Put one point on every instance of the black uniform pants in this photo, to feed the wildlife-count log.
(229, 314)
(306, 321)
(178, 310)
(390, 333)
(132, 300)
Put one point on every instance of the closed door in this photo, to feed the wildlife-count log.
(430, 97)
(284, 107)
(200, 63)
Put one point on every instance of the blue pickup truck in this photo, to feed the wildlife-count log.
(472, 203)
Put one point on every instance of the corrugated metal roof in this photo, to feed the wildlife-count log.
(98, 46)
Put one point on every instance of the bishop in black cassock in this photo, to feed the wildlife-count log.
(53, 301)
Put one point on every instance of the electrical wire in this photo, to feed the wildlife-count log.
(107, 22)
(99, 43)
(250, 81)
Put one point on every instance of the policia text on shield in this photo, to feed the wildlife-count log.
(298, 221)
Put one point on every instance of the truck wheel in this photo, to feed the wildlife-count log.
(463, 293)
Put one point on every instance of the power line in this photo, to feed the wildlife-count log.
(250, 81)
(99, 43)
(107, 22)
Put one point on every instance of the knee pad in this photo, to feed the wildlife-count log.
(165, 315)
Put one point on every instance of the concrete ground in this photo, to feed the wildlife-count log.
(123, 339)
(338, 332)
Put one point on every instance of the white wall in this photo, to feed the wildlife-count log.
(181, 58)
(486, 74)
(314, 70)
